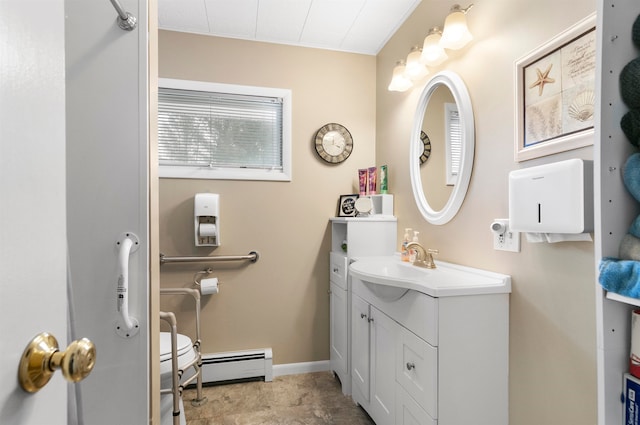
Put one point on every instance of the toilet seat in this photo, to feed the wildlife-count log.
(185, 351)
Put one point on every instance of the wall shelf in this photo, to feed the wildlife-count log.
(623, 299)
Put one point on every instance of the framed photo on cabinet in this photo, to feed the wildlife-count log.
(347, 205)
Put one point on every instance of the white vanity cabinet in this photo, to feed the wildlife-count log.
(430, 360)
(370, 236)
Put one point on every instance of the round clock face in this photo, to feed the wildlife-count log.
(333, 143)
(426, 151)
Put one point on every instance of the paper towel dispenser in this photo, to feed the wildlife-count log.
(206, 211)
(552, 198)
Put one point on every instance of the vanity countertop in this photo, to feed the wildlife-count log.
(444, 281)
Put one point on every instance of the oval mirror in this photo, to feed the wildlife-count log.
(440, 163)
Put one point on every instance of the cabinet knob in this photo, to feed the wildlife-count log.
(336, 270)
(363, 316)
(370, 319)
(411, 366)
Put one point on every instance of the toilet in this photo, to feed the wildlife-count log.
(187, 354)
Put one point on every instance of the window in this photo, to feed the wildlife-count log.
(453, 140)
(222, 131)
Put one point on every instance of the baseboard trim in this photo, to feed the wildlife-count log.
(298, 368)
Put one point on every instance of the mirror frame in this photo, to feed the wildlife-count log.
(460, 94)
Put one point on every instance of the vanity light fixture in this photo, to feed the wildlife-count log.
(456, 34)
(399, 82)
(432, 52)
(415, 69)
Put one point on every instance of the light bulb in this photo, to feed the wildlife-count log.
(399, 82)
(456, 35)
(415, 69)
(432, 52)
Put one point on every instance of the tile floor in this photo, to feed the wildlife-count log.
(309, 399)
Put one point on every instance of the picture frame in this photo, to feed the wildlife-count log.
(555, 94)
(347, 205)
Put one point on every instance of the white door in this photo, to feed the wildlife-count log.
(73, 166)
(32, 200)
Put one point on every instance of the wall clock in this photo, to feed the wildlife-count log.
(333, 143)
(426, 144)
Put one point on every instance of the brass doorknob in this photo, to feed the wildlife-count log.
(42, 357)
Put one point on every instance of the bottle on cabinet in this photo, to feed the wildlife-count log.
(404, 252)
(412, 252)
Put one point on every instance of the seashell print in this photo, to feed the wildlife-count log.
(583, 106)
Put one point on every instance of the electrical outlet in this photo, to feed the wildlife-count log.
(504, 239)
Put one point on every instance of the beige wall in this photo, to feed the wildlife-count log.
(553, 337)
(281, 301)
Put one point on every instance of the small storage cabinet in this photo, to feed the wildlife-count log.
(351, 237)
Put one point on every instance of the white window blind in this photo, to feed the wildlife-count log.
(453, 137)
(222, 131)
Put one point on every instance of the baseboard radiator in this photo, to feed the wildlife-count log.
(218, 367)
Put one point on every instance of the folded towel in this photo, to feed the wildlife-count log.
(620, 276)
(629, 248)
(631, 175)
(635, 227)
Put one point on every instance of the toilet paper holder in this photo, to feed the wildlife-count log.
(206, 285)
(206, 211)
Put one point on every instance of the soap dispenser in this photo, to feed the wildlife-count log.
(412, 252)
(404, 252)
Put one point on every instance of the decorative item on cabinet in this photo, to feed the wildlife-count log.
(347, 205)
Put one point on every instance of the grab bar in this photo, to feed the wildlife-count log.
(253, 256)
(127, 243)
(126, 20)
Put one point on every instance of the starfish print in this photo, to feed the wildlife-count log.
(543, 78)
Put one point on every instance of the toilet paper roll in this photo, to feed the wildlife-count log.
(634, 356)
(209, 286)
(207, 229)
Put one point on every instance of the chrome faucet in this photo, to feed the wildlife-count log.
(424, 257)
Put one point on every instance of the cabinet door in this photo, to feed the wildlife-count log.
(408, 412)
(384, 339)
(338, 329)
(417, 370)
(360, 349)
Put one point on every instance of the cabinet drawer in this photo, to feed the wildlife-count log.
(338, 269)
(417, 370)
(408, 412)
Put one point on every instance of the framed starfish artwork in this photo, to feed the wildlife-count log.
(555, 94)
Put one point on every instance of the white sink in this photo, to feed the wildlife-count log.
(390, 278)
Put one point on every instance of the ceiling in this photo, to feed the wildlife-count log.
(357, 26)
